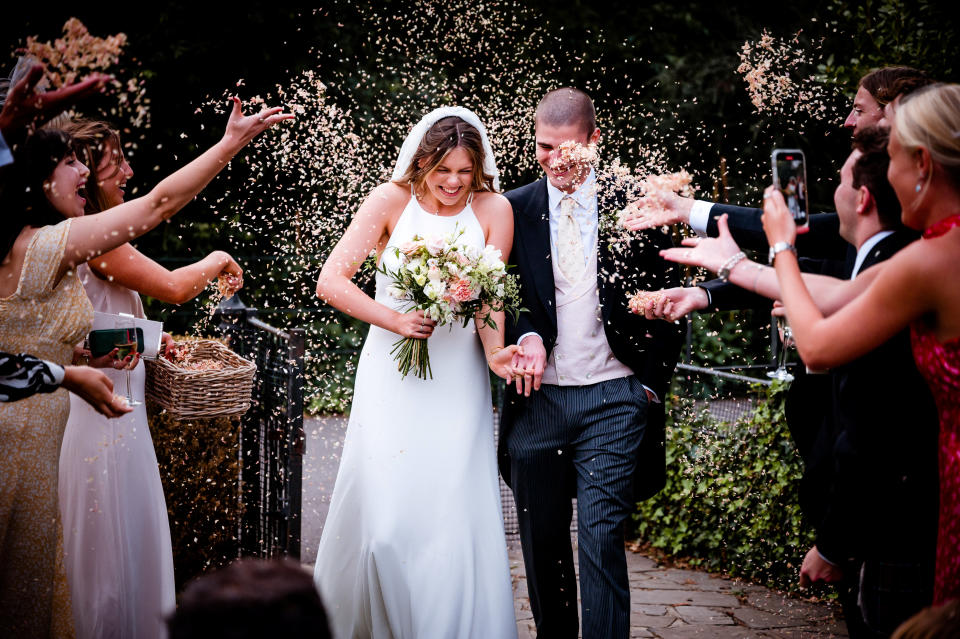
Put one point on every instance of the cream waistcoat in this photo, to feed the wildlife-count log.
(582, 354)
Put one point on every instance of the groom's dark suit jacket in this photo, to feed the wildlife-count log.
(649, 348)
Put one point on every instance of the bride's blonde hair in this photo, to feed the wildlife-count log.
(444, 136)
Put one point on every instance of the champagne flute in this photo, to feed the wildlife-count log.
(126, 344)
(782, 374)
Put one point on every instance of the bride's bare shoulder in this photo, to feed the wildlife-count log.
(390, 193)
(489, 203)
(386, 200)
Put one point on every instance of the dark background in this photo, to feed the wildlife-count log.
(674, 61)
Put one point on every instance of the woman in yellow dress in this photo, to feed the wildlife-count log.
(45, 311)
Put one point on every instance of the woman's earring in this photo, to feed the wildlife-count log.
(920, 183)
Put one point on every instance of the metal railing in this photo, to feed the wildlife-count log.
(272, 442)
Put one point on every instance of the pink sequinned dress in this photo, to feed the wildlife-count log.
(939, 363)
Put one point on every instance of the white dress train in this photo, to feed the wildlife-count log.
(116, 532)
(413, 545)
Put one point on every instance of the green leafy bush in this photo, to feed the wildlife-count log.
(730, 504)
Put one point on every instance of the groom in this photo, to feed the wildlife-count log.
(596, 422)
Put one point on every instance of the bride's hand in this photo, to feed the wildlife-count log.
(243, 128)
(413, 324)
(710, 253)
(501, 362)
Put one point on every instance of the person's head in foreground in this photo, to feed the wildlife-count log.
(935, 622)
(251, 598)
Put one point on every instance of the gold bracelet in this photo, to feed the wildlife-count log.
(495, 350)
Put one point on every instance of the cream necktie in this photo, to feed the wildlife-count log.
(569, 243)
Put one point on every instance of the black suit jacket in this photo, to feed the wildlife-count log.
(821, 250)
(649, 348)
(871, 485)
(822, 241)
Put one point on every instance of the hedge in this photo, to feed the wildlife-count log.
(730, 504)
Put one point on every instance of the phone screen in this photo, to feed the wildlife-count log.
(790, 176)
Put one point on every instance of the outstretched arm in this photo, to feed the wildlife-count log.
(95, 234)
(829, 293)
(25, 108)
(128, 267)
(898, 294)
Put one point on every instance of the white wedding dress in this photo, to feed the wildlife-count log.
(413, 546)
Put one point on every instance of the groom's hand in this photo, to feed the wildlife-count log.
(529, 365)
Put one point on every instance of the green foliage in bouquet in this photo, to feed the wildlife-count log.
(730, 503)
(199, 467)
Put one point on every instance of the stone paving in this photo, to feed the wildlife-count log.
(671, 603)
(666, 603)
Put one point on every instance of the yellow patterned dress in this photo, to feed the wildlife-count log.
(43, 318)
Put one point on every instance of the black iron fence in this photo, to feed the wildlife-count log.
(272, 442)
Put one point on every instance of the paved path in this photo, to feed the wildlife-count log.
(667, 603)
(670, 603)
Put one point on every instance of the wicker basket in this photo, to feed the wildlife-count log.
(189, 394)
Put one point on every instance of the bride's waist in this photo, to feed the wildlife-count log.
(445, 333)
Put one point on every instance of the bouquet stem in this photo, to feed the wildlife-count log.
(411, 354)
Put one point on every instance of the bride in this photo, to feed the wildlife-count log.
(413, 545)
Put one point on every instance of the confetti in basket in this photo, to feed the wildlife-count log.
(206, 380)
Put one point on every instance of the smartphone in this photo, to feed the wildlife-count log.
(104, 340)
(790, 176)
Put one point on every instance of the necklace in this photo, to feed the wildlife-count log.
(940, 228)
(425, 210)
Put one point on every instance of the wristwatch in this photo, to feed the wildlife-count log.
(778, 247)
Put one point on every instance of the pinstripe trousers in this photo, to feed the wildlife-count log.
(577, 441)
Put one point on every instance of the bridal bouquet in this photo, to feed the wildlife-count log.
(449, 281)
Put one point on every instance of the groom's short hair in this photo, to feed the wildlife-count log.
(567, 106)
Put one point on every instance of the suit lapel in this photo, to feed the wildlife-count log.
(537, 252)
(885, 248)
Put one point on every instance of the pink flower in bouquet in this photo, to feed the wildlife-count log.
(462, 259)
(462, 290)
(411, 247)
(435, 245)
